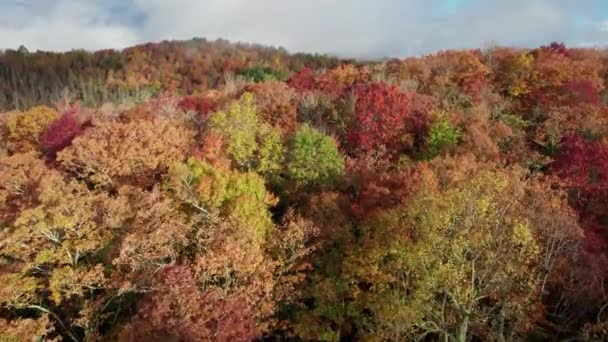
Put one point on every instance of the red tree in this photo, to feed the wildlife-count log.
(179, 310)
(384, 117)
(583, 166)
(576, 92)
(202, 105)
(302, 81)
(61, 132)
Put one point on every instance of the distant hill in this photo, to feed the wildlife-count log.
(28, 79)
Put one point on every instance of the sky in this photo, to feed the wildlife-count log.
(347, 28)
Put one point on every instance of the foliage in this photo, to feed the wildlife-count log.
(450, 261)
(241, 196)
(262, 74)
(203, 106)
(314, 158)
(303, 80)
(24, 329)
(441, 134)
(179, 310)
(20, 175)
(383, 118)
(60, 133)
(513, 121)
(26, 128)
(277, 105)
(456, 196)
(127, 153)
(120, 76)
(250, 143)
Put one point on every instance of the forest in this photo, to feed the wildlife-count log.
(211, 191)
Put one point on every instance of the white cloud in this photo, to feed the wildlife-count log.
(345, 27)
(67, 25)
(604, 26)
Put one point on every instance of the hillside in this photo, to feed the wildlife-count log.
(459, 196)
(31, 78)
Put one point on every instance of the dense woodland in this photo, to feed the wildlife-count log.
(201, 191)
(29, 79)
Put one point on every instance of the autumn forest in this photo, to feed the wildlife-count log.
(213, 191)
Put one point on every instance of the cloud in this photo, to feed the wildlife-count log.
(65, 25)
(354, 28)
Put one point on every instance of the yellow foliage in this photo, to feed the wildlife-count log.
(444, 251)
(25, 128)
(240, 196)
(18, 290)
(66, 282)
(28, 329)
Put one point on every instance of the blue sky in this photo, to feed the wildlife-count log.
(353, 28)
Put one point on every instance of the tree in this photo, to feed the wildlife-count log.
(314, 158)
(207, 187)
(53, 250)
(449, 262)
(250, 143)
(202, 105)
(25, 128)
(177, 309)
(134, 152)
(384, 117)
(303, 80)
(61, 132)
(442, 134)
(277, 105)
(377, 185)
(462, 70)
(24, 329)
(20, 176)
(262, 74)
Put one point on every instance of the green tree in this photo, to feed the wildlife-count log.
(314, 158)
(249, 142)
(442, 134)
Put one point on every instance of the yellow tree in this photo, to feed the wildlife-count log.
(453, 261)
(25, 128)
(251, 144)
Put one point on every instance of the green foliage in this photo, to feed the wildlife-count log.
(314, 158)
(271, 151)
(262, 74)
(516, 122)
(236, 195)
(250, 143)
(157, 221)
(442, 134)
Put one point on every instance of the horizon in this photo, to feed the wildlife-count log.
(255, 44)
(382, 30)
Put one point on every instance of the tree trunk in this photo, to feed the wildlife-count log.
(462, 329)
(501, 327)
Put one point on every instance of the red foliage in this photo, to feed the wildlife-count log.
(376, 186)
(384, 117)
(583, 166)
(60, 133)
(303, 81)
(577, 92)
(582, 163)
(178, 309)
(202, 105)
